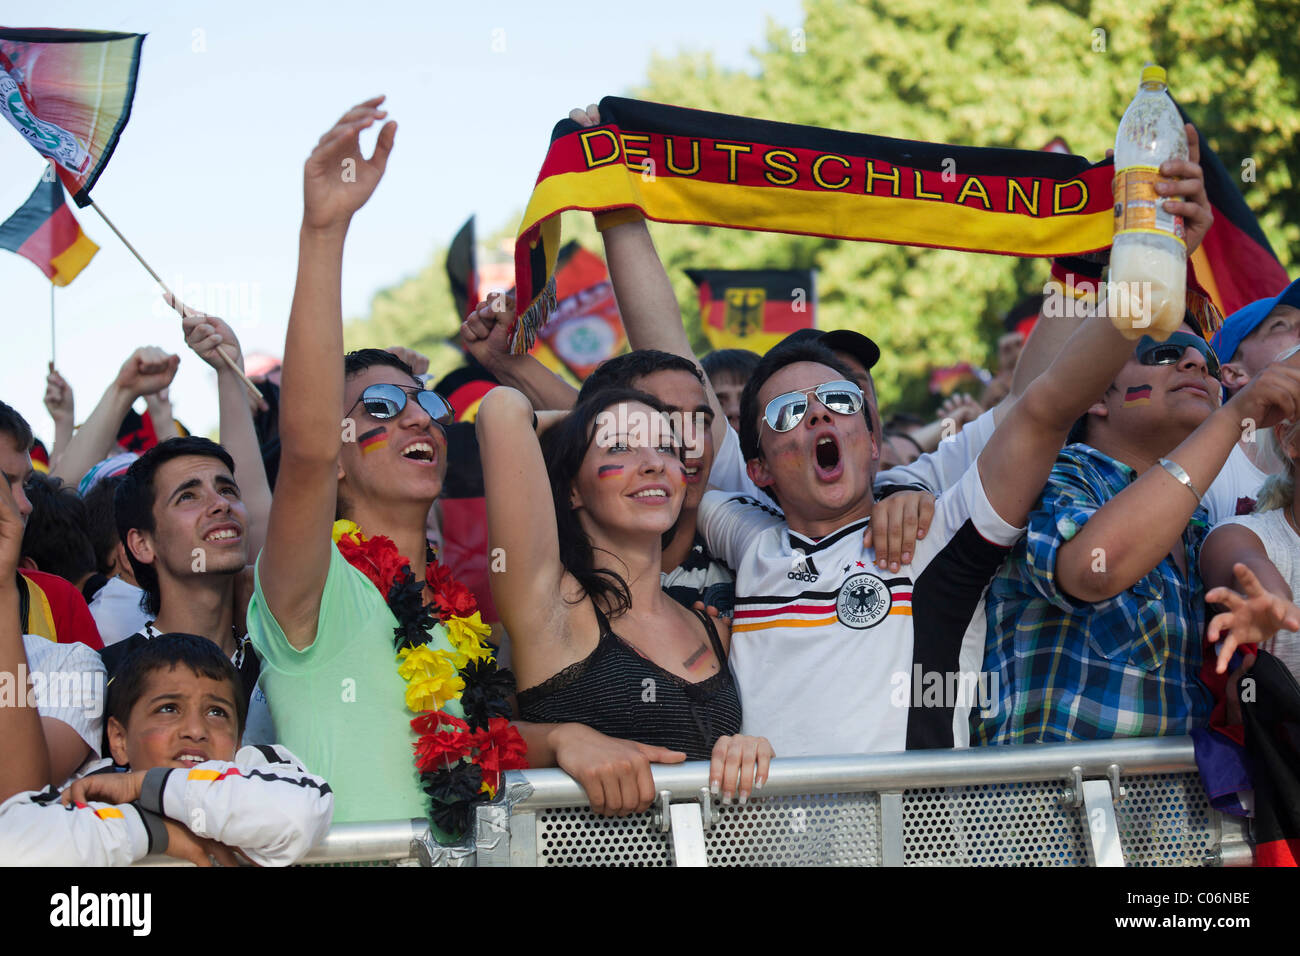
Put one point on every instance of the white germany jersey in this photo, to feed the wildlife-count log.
(833, 656)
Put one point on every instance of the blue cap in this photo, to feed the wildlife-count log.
(1247, 319)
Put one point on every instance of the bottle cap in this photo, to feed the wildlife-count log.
(1154, 74)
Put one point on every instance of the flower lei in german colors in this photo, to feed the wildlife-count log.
(460, 759)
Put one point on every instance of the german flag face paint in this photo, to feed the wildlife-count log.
(1137, 395)
(609, 471)
(374, 439)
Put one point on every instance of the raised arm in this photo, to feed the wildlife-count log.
(1015, 464)
(521, 517)
(484, 334)
(337, 181)
(1186, 197)
(204, 334)
(59, 403)
(646, 301)
(148, 370)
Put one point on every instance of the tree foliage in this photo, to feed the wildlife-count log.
(998, 73)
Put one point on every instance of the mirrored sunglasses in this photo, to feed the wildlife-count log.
(786, 411)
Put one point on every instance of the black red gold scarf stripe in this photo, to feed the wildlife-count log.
(735, 172)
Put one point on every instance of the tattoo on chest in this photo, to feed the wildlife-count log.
(695, 658)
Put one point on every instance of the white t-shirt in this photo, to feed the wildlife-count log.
(942, 468)
(832, 658)
(1238, 479)
(729, 473)
(116, 610)
(69, 683)
(1283, 548)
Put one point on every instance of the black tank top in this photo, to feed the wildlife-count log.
(621, 694)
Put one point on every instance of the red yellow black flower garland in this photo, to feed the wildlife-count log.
(460, 758)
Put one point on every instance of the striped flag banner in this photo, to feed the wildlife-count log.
(690, 166)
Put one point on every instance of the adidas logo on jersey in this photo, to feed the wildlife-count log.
(802, 568)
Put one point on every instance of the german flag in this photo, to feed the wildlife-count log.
(586, 328)
(1235, 263)
(753, 308)
(690, 166)
(45, 231)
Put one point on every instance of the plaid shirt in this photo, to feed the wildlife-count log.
(1069, 670)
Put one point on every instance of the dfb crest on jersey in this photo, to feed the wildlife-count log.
(863, 602)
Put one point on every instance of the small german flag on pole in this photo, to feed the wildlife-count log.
(45, 231)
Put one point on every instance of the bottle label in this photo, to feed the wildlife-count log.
(1139, 208)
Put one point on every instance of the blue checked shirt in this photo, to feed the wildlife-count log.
(1069, 670)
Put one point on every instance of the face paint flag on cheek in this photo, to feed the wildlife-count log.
(1137, 395)
(373, 439)
(609, 471)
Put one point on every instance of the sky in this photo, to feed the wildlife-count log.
(206, 181)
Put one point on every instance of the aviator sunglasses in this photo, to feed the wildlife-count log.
(1170, 351)
(384, 401)
(786, 411)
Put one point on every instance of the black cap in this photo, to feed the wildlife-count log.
(839, 340)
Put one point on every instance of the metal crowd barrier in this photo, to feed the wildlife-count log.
(1132, 802)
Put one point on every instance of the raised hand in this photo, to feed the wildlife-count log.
(1272, 396)
(204, 334)
(485, 331)
(58, 397)
(588, 117)
(961, 409)
(1254, 615)
(148, 370)
(418, 361)
(337, 178)
(1186, 197)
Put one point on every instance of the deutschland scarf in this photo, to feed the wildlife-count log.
(689, 166)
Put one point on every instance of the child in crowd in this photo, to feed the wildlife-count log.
(175, 714)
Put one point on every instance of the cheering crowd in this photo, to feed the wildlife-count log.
(727, 559)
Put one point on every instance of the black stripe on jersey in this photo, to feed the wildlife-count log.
(305, 782)
(788, 598)
(943, 602)
(812, 547)
(270, 753)
(755, 503)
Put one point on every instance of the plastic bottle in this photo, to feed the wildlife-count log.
(1148, 259)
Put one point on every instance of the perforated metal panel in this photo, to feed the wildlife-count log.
(574, 836)
(802, 830)
(1165, 820)
(995, 824)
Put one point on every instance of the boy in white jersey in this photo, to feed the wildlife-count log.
(831, 656)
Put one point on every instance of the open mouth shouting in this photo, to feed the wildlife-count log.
(190, 757)
(827, 461)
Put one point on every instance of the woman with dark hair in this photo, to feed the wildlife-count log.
(602, 703)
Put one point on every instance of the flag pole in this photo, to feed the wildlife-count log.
(52, 363)
(180, 307)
